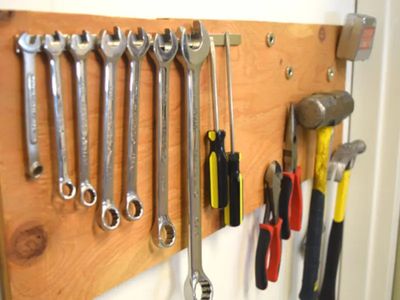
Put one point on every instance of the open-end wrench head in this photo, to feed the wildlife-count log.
(54, 44)
(194, 47)
(198, 287)
(344, 158)
(165, 47)
(28, 43)
(79, 45)
(133, 209)
(137, 44)
(112, 46)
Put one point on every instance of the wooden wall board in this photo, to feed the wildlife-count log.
(54, 249)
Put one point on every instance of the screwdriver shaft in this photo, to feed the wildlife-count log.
(214, 83)
(229, 81)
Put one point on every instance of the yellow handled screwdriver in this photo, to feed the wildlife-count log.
(217, 160)
(234, 210)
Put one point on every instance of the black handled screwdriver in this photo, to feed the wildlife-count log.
(234, 210)
(217, 160)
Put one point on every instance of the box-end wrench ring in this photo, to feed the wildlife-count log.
(29, 45)
(192, 58)
(165, 47)
(54, 46)
(80, 46)
(111, 48)
(136, 49)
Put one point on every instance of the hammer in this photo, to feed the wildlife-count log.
(340, 165)
(321, 112)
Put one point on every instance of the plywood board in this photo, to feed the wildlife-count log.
(54, 249)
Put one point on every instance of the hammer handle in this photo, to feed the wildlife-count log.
(313, 246)
(328, 289)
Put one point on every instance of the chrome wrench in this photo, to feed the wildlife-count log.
(194, 50)
(79, 46)
(29, 45)
(111, 48)
(165, 47)
(136, 50)
(54, 46)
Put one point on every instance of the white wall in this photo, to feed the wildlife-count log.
(229, 253)
(373, 209)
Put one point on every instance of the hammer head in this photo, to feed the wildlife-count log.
(324, 109)
(344, 158)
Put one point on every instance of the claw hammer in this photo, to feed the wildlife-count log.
(321, 112)
(340, 165)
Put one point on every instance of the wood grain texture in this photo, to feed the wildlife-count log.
(54, 249)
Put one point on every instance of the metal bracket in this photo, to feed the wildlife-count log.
(219, 39)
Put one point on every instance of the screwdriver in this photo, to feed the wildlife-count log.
(217, 160)
(234, 210)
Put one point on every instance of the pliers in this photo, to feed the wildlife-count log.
(268, 255)
(291, 200)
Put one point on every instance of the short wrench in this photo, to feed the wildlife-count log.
(165, 47)
(111, 48)
(79, 46)
(136, 50)
(194, 50)
(54, 46)
(29, 45)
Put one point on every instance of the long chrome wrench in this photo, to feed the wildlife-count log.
(54, 46)
(29, 45)
(80, 46)
(111, 48)
(136, 50)
(165, 47)
(194, 49)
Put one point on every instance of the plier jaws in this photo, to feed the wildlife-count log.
(291, 201)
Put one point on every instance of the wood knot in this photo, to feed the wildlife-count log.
(322, 34)
(28, 242)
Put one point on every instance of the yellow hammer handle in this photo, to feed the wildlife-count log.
(324, 136)
(341, 197)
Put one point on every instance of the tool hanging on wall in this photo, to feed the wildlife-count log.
(165, 47)
(339, 170)
(54, 46)
(111, 48)
(136, 48)
(320, 112)
(291, 199)
(194, 49)
(217, 159)
(234, 210)
(29, 45)
(269, 245)
(80, 46)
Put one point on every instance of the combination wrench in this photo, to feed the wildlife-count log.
(29, 45)
(54, 46)
(136, 50)
(80, 46)
(165, 47)
(111, 48)
(194, 49)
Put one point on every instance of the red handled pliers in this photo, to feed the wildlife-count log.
(268, 255)
(291, 200)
